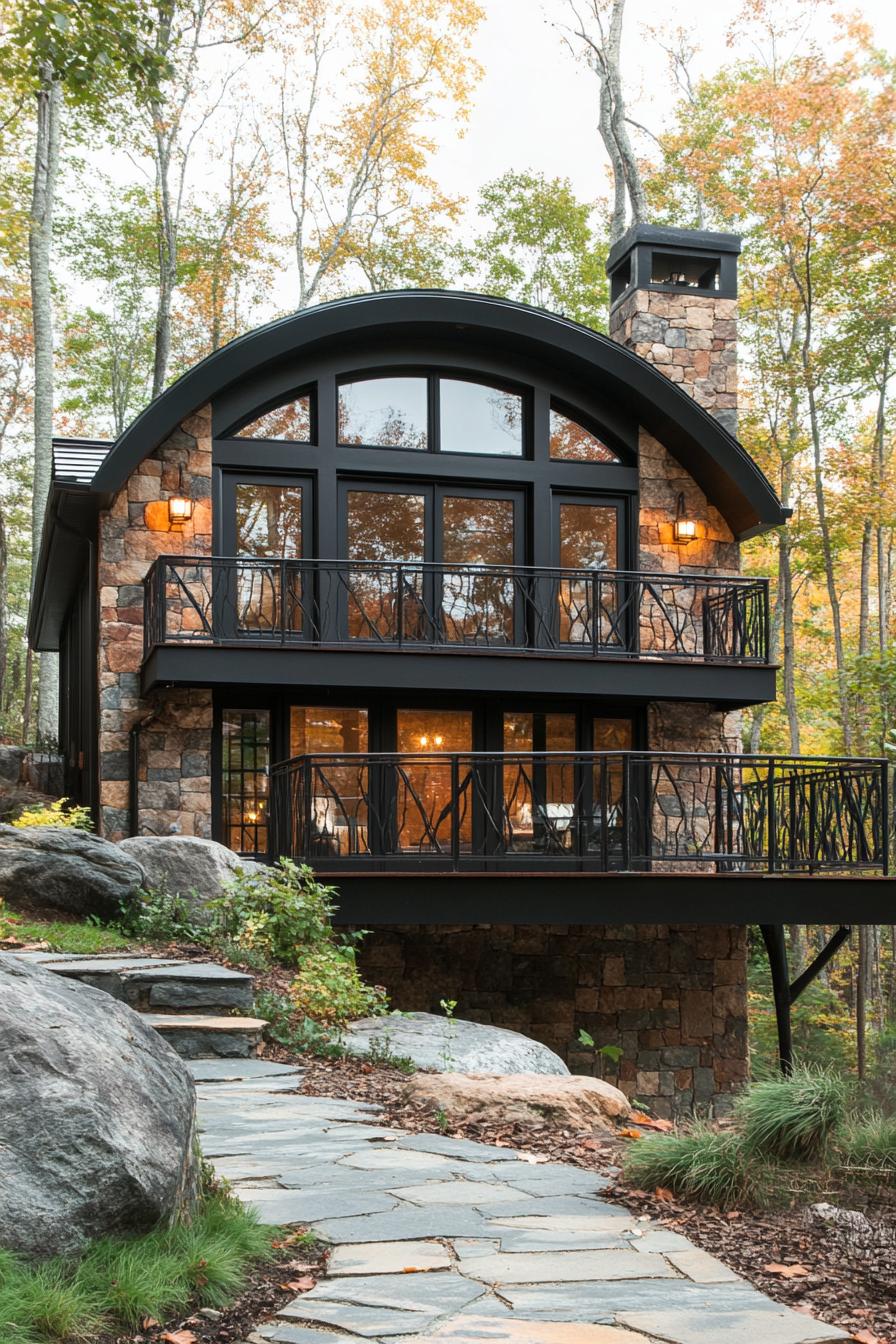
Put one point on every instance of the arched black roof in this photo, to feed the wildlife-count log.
(712, 456)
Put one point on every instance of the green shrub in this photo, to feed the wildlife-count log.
(299, 1034)
(118, 1283)
(55, 814)
(279, 911)
(703, 1163)
(329, 987)
(160, 917)
(793, 1118)
(866, 1145)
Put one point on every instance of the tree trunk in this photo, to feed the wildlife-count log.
(4, 613)
(40, 237)
(861, 993)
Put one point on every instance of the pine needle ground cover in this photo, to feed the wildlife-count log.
(118, 1284)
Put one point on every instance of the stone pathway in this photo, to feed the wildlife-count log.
(437, 1239)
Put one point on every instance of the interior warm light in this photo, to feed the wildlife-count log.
(423, 740)
(439, 739)
(684, 529)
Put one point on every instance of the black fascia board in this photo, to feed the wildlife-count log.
(713, 457)
(551, 897)
(70, 523)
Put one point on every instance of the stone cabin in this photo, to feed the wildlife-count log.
(442, 595)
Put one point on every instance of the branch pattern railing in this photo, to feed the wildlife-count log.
(231, 601)
(604, 811)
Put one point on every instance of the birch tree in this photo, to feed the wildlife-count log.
(594, 34)
(83, 53)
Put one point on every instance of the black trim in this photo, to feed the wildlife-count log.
(464, 670)
(371, 899)
(714, 458)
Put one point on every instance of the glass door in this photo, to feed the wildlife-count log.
(479, 541)
(430, 564)
(560, 802)
(433, 791)
(261, 593)
(384, 596)
(588, 541)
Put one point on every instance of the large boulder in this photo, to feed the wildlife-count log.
(186, 866)
(529, 1099)
(11, 764)
(67, 869)
(97, 1116)
(451, 1045)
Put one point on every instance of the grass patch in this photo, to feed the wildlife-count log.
(82, 939)
(117, 1283)
(789, 1136)
(866, 1145)
(704, 1164)
(793, 1118)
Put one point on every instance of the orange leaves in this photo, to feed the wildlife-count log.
(787, 1271)
(179, 1337)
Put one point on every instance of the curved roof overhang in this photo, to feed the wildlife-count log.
(713, 457)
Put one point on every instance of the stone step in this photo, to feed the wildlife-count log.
(157, 982)
(197, 1037)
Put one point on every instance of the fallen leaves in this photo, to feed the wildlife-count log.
(179, 1337)
(787, 1271)
(651, 1122)
(629, 1134)
(302, 1285)
(866, 1337)
(664, 1195)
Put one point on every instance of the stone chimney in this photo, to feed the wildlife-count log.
(673, 300)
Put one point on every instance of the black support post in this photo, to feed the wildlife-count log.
(776, 947)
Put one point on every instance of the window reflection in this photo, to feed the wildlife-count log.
(386, 602)
(384, 413)
(588, 542)
(477, 607)
(574, 443)
(291, 422)
(268, 524)
(474, 418)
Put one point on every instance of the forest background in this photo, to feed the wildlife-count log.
(175, 172)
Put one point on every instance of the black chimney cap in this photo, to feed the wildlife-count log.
(650, 256)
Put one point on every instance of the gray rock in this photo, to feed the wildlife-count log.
(451, 1045)
(96, 1116)
(67, 869)
(186, 866)
(11, 759)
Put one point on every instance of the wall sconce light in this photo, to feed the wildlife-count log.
(180, 511)
(684, 529)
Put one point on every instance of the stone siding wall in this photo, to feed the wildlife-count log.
(672, 998)
(174, 774)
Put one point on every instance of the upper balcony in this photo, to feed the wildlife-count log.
(620, 633)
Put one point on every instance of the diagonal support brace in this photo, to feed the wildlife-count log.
(786, 994)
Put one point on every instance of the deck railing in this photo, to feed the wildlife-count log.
(610, 613)
(601, 811)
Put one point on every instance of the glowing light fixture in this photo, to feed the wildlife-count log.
(684, 529)
(180, 511)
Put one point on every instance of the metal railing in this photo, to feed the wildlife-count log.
(602, 811)
(339, 603)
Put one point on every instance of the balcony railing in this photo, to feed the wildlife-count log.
(600, 811)
(335, 603)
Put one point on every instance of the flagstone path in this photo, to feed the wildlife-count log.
(437, 1239)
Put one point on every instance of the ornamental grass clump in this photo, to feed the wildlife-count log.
(866, 1146)
(117, 1284)
(700, 1163)
(793, 1118)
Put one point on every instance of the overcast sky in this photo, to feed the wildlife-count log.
(536, 107)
